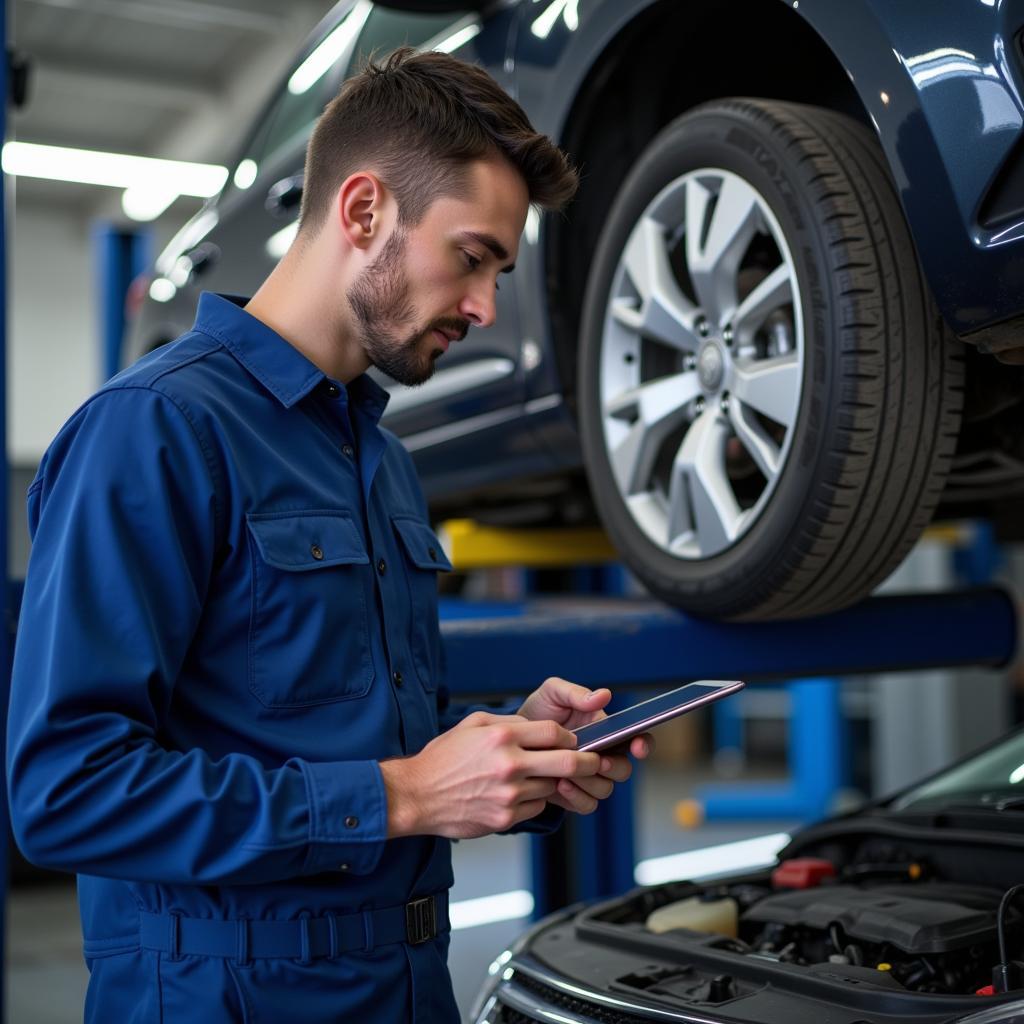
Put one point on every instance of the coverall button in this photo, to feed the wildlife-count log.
(382, 567)
(347, 449)
(317, 552)
(398, 678)
(332, 390)
(343, 867)
(431, 552)
(351, 821)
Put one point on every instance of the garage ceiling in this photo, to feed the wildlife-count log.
(167, 78)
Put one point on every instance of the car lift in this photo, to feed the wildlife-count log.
(627, 644)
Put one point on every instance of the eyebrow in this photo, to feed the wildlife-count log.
(490, 242)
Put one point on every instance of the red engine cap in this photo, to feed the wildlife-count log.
(802, 873)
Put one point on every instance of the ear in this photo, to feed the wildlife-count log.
(359, 206)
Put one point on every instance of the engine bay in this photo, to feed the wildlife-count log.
(934, 936)
(878, 920)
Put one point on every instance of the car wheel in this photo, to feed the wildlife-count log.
(769, 400)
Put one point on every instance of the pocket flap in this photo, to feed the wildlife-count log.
(298, 541)
(421, 544)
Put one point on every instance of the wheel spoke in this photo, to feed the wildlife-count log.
(755, 439)
(771, 386)
(658, 407)
(665, 313)
(700, 485)
(774, 291)
(713, 265)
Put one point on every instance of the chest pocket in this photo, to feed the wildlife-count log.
(309, 639)
(425, 558)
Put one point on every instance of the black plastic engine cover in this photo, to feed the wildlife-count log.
(927, 917)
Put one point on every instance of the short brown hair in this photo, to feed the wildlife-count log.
(418, 119)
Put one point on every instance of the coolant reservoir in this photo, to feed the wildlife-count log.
(718, 917)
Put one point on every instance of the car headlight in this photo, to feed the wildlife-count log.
(484, 1002)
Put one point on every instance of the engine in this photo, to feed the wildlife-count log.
(923, 935)
(928, 936)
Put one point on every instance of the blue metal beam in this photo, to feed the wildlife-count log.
(639, 643)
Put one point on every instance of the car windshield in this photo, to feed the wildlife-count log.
(992, 778)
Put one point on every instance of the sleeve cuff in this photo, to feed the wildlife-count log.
(347, 816)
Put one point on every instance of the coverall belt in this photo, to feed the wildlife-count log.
(304, 938)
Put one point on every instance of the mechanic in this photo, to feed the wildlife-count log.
(225, 713)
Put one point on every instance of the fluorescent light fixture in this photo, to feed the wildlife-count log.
(545, 22)
(280, 242)
(504, 906)
(457, 38)
(162, 290)
(1017, 774)
(745, 855)
(115, 170)
(322, 59)
(245, 173)
(146, 203)
(191, 234)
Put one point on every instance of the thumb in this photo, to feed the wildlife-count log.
(583, 699)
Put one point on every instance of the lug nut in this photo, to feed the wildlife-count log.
(727, 335)
(698, 406)
(690, 363)
(725, 403)
(702, 327)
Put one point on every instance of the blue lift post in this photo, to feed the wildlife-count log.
(817, 762)
(120, 257)
(7, 632)
(628, 644)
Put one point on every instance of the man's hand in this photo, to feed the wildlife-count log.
(485, 775)
(571, 706)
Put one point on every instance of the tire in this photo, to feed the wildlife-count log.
(769, 400)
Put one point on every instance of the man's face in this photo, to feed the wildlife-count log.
(432, 282)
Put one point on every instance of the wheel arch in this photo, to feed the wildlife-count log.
(623, 103)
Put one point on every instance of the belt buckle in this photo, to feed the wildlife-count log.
(420, 920)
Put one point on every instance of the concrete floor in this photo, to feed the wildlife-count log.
(46, 978)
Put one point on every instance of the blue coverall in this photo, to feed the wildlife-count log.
(229, 618)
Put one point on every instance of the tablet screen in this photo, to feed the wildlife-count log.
(667, 705)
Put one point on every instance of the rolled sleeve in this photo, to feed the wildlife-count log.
(348, 816)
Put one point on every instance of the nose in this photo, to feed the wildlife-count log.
(478, 306)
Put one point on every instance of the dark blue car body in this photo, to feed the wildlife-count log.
(938, 82)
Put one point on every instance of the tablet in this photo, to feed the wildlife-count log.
(622, 725)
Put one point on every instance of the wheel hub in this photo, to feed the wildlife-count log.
(711, 366)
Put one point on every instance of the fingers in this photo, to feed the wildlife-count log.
(642, 746)
(571, 798)
(572, 695)
(616, 768)
(543, 735)
(597, 786)
(561, 764)
(536, 789)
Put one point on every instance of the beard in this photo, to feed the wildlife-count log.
(386, 318)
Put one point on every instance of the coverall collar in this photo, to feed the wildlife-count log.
(277, 364)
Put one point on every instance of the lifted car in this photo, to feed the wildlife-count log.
(768, 340)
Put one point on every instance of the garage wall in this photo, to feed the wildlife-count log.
(53, 350)
(54, 360)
